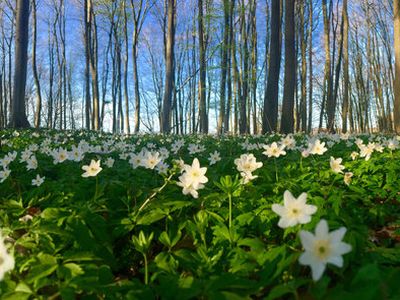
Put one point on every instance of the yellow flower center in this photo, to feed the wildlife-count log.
(322, 249)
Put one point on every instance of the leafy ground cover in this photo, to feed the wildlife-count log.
(99, 216)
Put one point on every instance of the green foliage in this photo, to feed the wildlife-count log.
(87, 239)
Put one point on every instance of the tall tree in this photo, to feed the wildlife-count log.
(303, 46)
(224, 66)
(243, 93)
(202, 77)
(139, 13)
(169, 69)
(310, 66)
(396, 8)
(18, 113)
(345, 107)
(327, 86)
(93, 53)
(270, 112)
(86, 15)
(287, 121)
(34, 66)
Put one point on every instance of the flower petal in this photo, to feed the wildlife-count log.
(322, 230)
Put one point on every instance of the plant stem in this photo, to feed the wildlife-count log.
(276, 170)
(96, 192)
(301, 164)
(146, 271)
(156, 192)
(230, 210)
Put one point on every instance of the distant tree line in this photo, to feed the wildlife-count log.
(201, 65)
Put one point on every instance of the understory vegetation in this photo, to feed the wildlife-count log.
(87, 215)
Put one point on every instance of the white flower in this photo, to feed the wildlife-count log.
(193, 178)
(6, 260)
(162, 168)
(59, 155)
(379, 148)
(151, 160)
(180, 164)
(109, 162)
(92, 170)
(136, 160)
(177, 145)
(247, 163)
(188, 188)
(25, 218)
(323, 248)
(354, 155)
(214, 158)
(305, 153)
(247, 177)
(366, 151)
(336, 165)
(76, 154)
(347, 177)
(392, 144)
(294, 211)
(274, 150)
(289, 142)
(31, 163)
(4, 175)
(195, 174)
(38, 180)
(318, 148)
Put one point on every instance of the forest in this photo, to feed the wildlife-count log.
(199, 149)
(204, 66)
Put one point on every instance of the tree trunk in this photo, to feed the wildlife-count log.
(169, 70)
(310, 58)
(345, 107)
(229, 69)
(93, 53)
(224, 67)
(87, 64)
(34, 67)
(396, 85)
(303, 46)
(18, 114)
(287, 120)
(202, 77)
(126, 60)
(270, 112)
(243, 95)
(254, 58)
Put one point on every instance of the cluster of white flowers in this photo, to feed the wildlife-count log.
(246, 164)
(4, 164)
(321, 248)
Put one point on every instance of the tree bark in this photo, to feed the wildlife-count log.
(34, 67)
(303, 46)
(224, 67)
(396, 86)
(270, 112)
(345, 107)
(202, 77)
(18, 114)
(169, 72)
(310, 61)
(287, 121)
